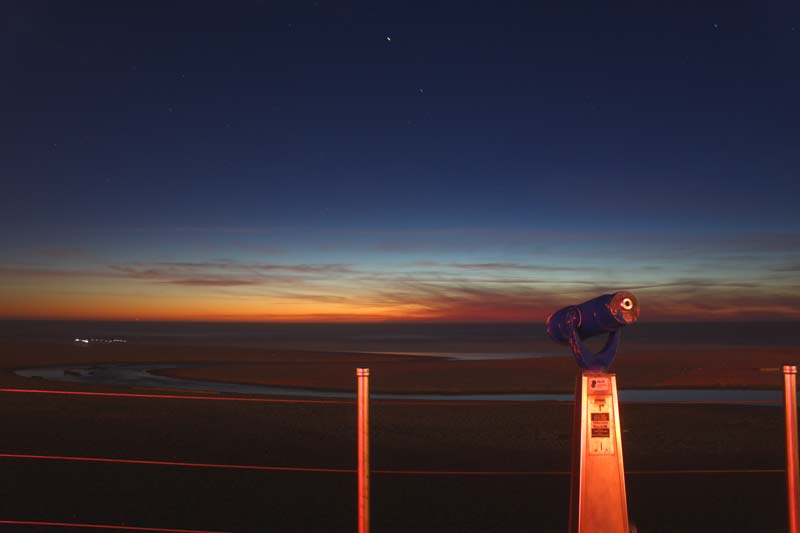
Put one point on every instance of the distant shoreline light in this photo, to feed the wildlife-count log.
(99, 341)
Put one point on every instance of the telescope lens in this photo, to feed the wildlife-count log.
(624, 307)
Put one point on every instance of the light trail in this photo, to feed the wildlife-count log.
(175, 463)
(567, 472)
(174, 396)
(387, 402)
(702, 402)
(377, 471)
(472, 472)
(101, 526)
(709, 471)
(469, 403)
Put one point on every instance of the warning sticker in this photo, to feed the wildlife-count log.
(600, 425)
(599, 385)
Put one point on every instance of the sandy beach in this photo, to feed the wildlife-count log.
(512, 437)
(703, 367)
(637, 366)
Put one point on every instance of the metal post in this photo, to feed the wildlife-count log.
(790, 403)
(362, 375)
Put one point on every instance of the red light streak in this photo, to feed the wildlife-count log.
(470, 403)
(381, 472)
(173, 396)
(566, 472)
(471, 472)
(566, 403)
(709, 471)
(101, 526)
(437, 403)
(702, 402)
(175, 463)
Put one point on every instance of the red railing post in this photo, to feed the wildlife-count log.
(362, 375)
(790, 403)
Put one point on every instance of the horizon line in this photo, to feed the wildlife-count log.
(704, 320)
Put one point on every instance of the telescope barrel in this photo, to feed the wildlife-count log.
(603, 314)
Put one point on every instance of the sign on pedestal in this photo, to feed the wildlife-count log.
(597, 499)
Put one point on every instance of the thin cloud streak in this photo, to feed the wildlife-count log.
(213, 282)
(502, 266)
(233, 265)
(445, 291)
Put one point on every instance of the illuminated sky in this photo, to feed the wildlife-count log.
(309, 161)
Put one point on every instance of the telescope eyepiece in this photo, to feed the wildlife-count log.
(624, 307)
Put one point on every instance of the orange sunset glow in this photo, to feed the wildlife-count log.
(307, 293)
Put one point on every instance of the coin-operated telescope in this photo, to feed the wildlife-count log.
(598, 501)
(605, 314)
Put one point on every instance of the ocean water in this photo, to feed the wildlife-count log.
(507, 339)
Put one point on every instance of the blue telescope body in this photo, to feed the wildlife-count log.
(605, 314)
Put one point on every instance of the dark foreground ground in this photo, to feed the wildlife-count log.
(501, 437)
(453, 437)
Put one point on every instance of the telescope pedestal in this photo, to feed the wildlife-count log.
(597, 500)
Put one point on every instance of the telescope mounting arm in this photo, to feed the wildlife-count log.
(583, 356)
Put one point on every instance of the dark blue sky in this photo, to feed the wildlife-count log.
(383, 137)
